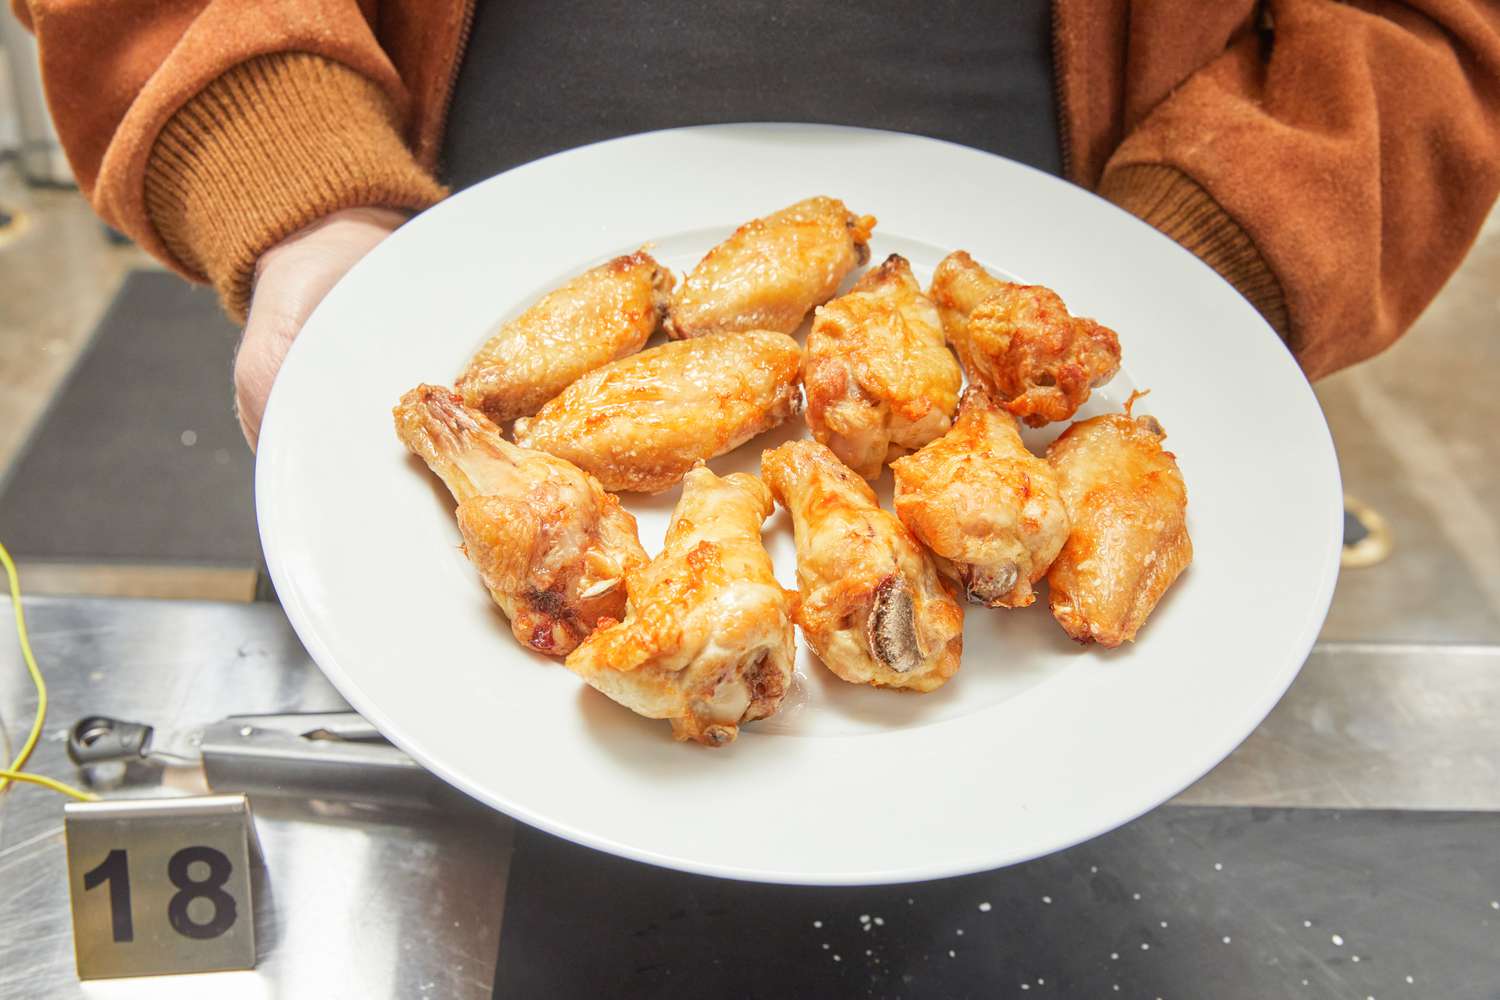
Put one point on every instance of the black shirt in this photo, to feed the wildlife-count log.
(541, 76)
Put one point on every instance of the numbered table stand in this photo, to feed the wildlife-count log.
(162, 885)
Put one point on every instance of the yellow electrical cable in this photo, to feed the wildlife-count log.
(45, 782)
(13, 773)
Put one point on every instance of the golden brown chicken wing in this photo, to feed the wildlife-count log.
(989, 510)
(1020, 343)
(603, 314)
(871, 603)
(551, 546)
(707, 638)
(641, 422)
(771, 271)
(880, 379)
(1129, 541)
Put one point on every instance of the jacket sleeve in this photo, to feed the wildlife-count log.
(1335, 167)
(208, 130)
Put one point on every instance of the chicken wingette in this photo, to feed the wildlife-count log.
(1129, 540)
(641, 422)
(605, 313)
(550, 545)
(771, 271)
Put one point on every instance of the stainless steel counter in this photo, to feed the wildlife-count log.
(379, 902)
(362, 901)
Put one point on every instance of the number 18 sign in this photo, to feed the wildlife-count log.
(161, 885)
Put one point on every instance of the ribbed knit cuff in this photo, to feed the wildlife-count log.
(1172, 202)
(271, 146)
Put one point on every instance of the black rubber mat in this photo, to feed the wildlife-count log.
(140, 458)
(1183, 904)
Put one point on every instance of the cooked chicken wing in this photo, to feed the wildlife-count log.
(641, 422)
(603, 314)
(988, 510)
(1128, 506)
(880, 379)
(707, 638)
(551, 546)
(771, 271)
(871, 604)
(1020, 342)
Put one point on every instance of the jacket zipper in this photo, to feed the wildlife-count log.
(1060, 96)
(465, 26)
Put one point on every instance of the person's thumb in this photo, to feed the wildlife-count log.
(291, 279)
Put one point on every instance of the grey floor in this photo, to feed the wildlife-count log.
(1418, 436)
(1415, 427)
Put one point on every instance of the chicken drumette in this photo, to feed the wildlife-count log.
(603, 314)
(880, 379)
(641, 422)
(871, 603)
(771, 271)
(988, 510)
(707, 638)
(1020, 343)
(552, 547)
(1129, 540)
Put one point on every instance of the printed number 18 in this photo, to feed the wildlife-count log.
(115, 869)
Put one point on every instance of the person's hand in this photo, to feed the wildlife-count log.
(291, 278)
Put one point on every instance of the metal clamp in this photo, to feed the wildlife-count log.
(325, 755)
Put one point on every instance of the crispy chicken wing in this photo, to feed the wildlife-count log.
(707, 638)
(1020, 343)
(771, 271)
(880, 379)
(551, 546)
(641, 422)
(1129, 541)
(871, 604)
(988, 510)
(603, 314)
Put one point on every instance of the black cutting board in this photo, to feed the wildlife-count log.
(1313, 903)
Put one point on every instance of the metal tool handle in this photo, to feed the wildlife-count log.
(99, 739)
(316, 755)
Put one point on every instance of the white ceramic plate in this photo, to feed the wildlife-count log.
(1037, 744)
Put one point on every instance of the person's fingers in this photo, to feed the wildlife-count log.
(291, 279)
(263, 348)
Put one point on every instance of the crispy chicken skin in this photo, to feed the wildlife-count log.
(641, 422)
(880, 379)
(603, 314)
(871, 603)
(1020, 343)
(988, 510)
(552, 547)
(707, 639)
(1129, 541)
(771, 271)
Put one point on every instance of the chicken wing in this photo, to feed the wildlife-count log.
(880, 379)
(988, 510)
(871, 604)
(707, 638)
(1020, 342)
(641, 422)
(1129, 541)
(771, 271)
(552, 547)
(603, 314)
